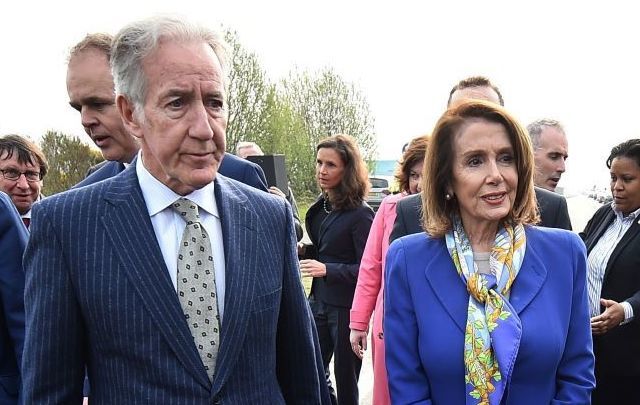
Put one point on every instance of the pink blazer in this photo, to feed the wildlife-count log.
(370, 285)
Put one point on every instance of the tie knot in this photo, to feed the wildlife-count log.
(187, 209)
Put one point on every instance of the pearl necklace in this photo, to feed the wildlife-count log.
(324, 205)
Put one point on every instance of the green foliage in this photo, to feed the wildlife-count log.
(69, 159)
(292, 116)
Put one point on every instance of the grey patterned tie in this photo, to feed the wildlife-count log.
(197, 286)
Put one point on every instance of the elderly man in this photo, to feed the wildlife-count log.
(23, 166)
(550, 150)
(170, 283)
(91, 93)
(553, 207)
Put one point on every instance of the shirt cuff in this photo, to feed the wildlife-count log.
(628, 312)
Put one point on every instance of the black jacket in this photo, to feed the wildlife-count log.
(339, 245)
(618, 351)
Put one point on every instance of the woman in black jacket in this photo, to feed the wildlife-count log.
(338, 225)
(612, 237)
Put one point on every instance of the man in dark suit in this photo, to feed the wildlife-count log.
(91, 93)
(13, 238)
(170, 283)
(553, 207)
(22, 169)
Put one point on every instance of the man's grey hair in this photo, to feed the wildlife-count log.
(245, 145)
(537, 126)
(139, 39)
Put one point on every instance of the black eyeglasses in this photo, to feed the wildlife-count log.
(14, 175)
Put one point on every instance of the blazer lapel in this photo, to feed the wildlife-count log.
(600, 230)
(242, 251)
(529, 280)
(145, 268)
(449, 288)
(326, 224)
(631, 233)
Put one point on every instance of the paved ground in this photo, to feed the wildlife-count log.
(581, 208)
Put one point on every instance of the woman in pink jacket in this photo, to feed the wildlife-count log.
(370, 287)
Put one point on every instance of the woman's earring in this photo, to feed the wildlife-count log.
(447, 196)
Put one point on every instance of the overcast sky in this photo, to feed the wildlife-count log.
(574, 62)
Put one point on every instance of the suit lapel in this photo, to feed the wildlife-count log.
(144, 264)
(602, 227)
(529, 280)
(326, 224)
(242, 251)
(631, 233)
(449, 288)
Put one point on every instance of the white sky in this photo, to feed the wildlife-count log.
(572, 61)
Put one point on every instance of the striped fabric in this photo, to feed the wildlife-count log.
(98, 294)
(599, 257)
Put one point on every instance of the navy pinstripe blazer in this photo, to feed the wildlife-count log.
(98, 294)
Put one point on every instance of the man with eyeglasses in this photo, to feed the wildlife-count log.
(22, 168)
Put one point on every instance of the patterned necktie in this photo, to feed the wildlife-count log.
(27, 222)
(197, 286)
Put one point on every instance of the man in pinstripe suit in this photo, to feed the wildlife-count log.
(105, 261)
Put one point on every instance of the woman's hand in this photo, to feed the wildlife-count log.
(358, 339)
(312, 268)
(612, 316)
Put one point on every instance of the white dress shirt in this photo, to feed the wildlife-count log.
(169, 225)
(599, 257)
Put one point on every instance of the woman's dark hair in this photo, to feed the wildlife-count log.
(414, 153)
(629, 149)
(355, 179)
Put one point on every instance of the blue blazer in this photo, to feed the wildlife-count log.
(232, 166)
(98, 294)
(13, 239)
(426, 311)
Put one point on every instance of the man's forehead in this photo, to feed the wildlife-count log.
(475, 93)
(6, 161)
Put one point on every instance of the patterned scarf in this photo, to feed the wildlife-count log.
(493, 329)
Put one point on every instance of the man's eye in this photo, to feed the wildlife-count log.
(12, 172)
(215, 103)
(177, 103)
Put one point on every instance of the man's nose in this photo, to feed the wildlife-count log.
(87, 117)
(22, 182)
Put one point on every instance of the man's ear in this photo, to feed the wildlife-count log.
(128, 116)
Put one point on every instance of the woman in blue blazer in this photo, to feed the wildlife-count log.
(485, 308)
(338, 225)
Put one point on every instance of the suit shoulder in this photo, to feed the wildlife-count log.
(548, 196)
(417, 242)
(409, 201)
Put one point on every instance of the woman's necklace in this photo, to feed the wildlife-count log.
(324, 205)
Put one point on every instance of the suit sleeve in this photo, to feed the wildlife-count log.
(53, 360)
(369, 274)
(574, 378)
(13, 239)
(408, 382)
(347, 273)
(299, 363)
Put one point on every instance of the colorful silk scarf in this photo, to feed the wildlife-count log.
(493, 329)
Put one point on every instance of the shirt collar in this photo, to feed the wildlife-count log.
(631, 217)
(158, 196)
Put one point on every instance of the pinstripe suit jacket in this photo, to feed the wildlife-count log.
(98, 294)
